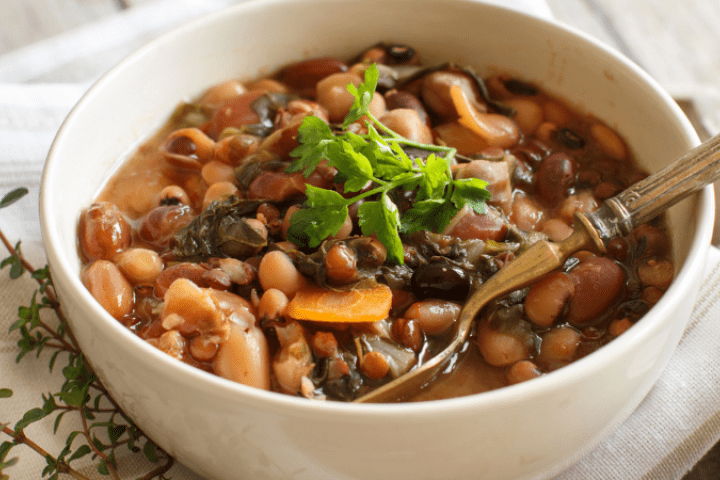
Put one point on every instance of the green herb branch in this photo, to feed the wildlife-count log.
(376, 167)
(104, 427)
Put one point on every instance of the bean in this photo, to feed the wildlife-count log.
(559, 346)
(526, 213)
(276, 270)
(618, 249)
(190, 310)
(548, 298)
(187, 270)
(619, 326)
(286, 219)
(528, 114)
(171, 343)
(556, 113)
(656, 273)
(324, 344)
(463, 139)
(235, 113)
(140, 266)
(161, 223)
(268, 85)
(581, 202)
(440, 279)
(341, 265)
(277, 186)
(402, 99)
(233, 149)
(272, 304)
(283, 140)
(103, 231)
(244, 357)
(468, 225)
(546, 131)
(296, 110)
(408, 333)
(501, 348)
(216, 171)
(332, 94)
(221, 93)
(436, 92)
(188, 148)
(202, 348)
(171, 195)
(109, 287)
(240, 273)
(345, 230)
(652, 295)
(607, 189)
(608, 141)
(269, 213)
(307, 73)
(554, 177)
(374, 365)
(651, 240)
(434, 316)
(407, 123)
(522, 371)
(556, 229)
(599, 281)
(218, 192)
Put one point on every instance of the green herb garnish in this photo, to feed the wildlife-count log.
(377, 158)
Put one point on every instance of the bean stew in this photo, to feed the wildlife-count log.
(315, 232)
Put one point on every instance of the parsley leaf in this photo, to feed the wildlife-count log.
(374, 166)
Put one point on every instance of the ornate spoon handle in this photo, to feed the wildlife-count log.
(619, 215)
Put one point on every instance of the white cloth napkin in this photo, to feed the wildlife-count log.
(673, 427)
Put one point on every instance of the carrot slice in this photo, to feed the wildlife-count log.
(498, 130)
(320, 305)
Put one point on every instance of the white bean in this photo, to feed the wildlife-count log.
(244, 357)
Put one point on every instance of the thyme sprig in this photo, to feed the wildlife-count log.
(104, 426)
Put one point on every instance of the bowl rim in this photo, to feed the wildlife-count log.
(588, 365)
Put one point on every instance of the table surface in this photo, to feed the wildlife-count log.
(677, 43)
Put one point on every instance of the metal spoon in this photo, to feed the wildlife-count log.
(617, 216)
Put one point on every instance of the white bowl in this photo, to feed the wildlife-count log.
(225, 430)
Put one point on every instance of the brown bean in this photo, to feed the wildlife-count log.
(500, 348)
(103, 231)
(548, 298)
(219, 191)
(407, 123)
(324, 344)
(109, 287)
(556, 229)
(161, 223)
(307, 73)
(436, 92)
(599, 281)
(408, 333)
(528, 114)
(434, 316)
(651, 241)
(554, 177)
(619, 326)
(652, 295)
(216, 171)
(341, 265)
(522, 371)
(141, 266)
(221, 93)
(608, 141)
(526, 214)
(374, 365)
(236, 112)
(656, 273)
(190, 271)
(188, 148)
(277, 186)
(332, 94)
(401, 99)
(559, 346)
(233, 149)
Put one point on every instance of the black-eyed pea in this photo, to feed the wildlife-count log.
(218, 192)
(244, 357)
(557, 230)
(522, 371)
(374, 365)
(599, 281)
(109, 287)
(103, 231)
(434, 316)
(141, 266)
(547, 299)
(609, 141)
(171, 195)
(501, 348)
(188, 148)
(656, 273)
(528, 114)
(216, 171)
(407, 123)
(559, 346)
(272, 304)
(276, 270)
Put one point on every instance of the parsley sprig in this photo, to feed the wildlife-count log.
(377, 159)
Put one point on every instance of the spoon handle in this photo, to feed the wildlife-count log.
(643, 201)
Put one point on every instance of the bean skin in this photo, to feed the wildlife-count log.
(598, 284)
(108, 286)
(548, 298)
(103, 231)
